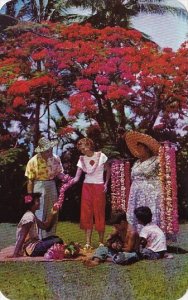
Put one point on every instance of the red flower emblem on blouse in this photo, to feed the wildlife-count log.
(92, 162)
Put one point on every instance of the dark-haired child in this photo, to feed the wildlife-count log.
(121, 245)
(27, 237)
(152, 238)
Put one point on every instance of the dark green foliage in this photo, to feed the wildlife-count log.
(12, 167)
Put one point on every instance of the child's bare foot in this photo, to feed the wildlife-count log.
(91, 263)
(168, 255)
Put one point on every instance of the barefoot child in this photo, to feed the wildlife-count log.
(152, 238)
(27, 237)
(93, 201)
(123, 249)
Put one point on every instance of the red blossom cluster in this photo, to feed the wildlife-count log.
(40, 55)
(81, 102)
(84, 85)
(97, 70)
(18, 101)
(65, 131)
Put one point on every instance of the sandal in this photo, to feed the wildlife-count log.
(87, 247)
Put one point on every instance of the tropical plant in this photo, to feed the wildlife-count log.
(119, 12)
(103, 12)
(111, 77)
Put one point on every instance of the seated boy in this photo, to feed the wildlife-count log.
(152, 238)
(121, 245)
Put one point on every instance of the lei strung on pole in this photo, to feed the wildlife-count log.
(120, 184)
(63, 188)
(167, 174)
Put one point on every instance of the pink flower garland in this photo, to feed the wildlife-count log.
(120, 184)
(174, 190)
(127, 181)
(63, 188)
(168, 205)
(162, 171)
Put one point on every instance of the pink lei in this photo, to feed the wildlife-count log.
(169, 202)
(63, 188)
(120, 184)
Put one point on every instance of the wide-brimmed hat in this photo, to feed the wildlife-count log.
(44, 144)
(132, 139)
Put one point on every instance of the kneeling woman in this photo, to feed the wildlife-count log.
(27, 238)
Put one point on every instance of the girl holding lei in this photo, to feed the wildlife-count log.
(93, 199)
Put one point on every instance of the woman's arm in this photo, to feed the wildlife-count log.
(78, 175)
(23, 233)
(108, 174)
(114, 233)
(64, 177)
(30, 185)
(47, 224)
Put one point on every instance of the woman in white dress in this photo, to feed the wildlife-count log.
(146, 186)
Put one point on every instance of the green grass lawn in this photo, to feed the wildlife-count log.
(166, 279)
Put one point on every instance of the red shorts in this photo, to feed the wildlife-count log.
(93, 206)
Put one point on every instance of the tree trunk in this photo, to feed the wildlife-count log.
(111, 119)
(37, 123)
(123, 120)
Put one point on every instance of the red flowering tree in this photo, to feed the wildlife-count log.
(111, 76)
(27, 81)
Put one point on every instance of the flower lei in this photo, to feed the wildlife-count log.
(64, 187)
(61, 251)
(120, 184)
(28, 198)
(167, 175)
(84, 168)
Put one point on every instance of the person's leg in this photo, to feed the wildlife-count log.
(86, 218)
(125, 258)
(99, 202)
(101, 237)
(39, 188)
(88, 236)
(55, 238)
(100, 255)
(42, 247)
(149, 254)
(50, 198)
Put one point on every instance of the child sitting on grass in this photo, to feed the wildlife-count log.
(27, 237)
(121, 245)
(152, 239)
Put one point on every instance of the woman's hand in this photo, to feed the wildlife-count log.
(105, 187)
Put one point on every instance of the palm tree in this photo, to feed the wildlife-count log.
(103, 12)
(38, 11)
(119, 12)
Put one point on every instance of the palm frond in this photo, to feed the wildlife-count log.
(157, 8)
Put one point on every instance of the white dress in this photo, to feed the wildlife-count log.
(145, 190)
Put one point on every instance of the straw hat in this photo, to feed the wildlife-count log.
(132, 139)
(44, 144)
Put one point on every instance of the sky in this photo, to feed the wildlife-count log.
(166, 30)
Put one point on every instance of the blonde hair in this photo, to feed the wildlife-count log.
(85, 142)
